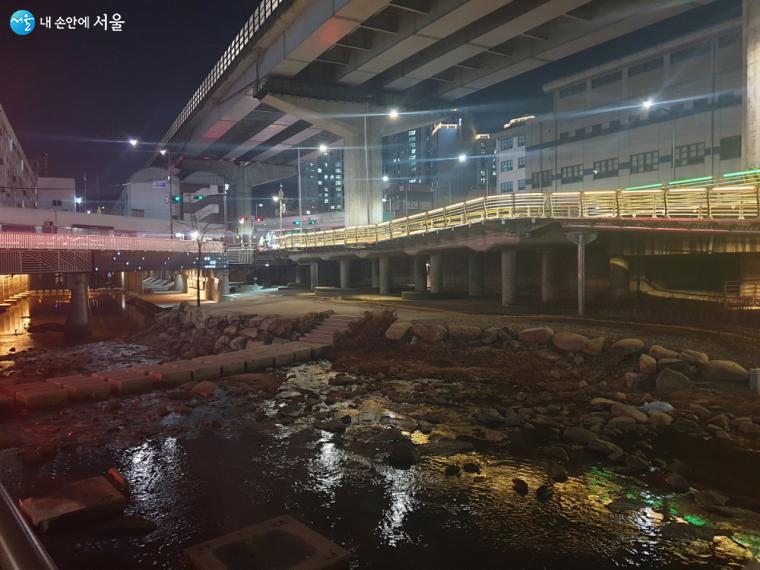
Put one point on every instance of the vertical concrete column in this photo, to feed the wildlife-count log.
(475, 274)
(375, 267)
(210, 286)
(180, 285)
(384, 275)
(620, 275)
(549, 285)
(363, 190)
(436, 273)
(508, 277)
(223, 285)
(581, 240)
(314, 275)
(751, 126)
(345, 273)
(420, 273)
(78, 306)
(299, 275)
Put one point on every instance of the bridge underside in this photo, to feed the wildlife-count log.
(25, 262)
(318, 68)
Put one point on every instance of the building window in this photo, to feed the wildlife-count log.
(605, 168)
(572, 90)
(596, 129)
(570, 174)
(507, 186)
(521, 140)
(614, 124)
(541, 179)
(580, 132)
(57, 203)
(640, 68)
(522, 183)
(505, 144)
(687, 154)
(520, 162)
(645, 161)
(506, 165)
(606, 79)
(731, 147)
(690, 52)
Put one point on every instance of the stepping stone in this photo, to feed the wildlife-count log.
(82, 387)
(170, 374)
(87, 499)
(42, 395)
(256, 363)
(202, 371)
(282, 542)
(127, 380)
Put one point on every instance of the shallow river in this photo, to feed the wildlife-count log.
(198, 482)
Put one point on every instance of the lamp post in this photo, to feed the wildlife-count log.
(279, 199)
(196, 235)
(392, 114)
(167, 153)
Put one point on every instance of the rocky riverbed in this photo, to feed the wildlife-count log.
(420, 446)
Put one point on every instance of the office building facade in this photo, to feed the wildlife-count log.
(669, 113)
(322, 183)
(18, 181)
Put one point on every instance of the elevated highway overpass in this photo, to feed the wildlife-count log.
(301, 73)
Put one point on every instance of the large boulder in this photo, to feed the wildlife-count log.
(429, 332)
(398, 330)
(579, 435)
(464, 332)
(569, 341)
(595, 346)
(626, 411)
(694, 356)
(249, 332)
(536, 335)
(647, 364)
(492, 335)
(627, 346)
(670, 380)
(658, 351)
(674, 364)
(724, 370)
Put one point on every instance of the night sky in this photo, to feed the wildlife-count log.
(78, 95)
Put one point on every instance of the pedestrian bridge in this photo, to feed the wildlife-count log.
(728, 199)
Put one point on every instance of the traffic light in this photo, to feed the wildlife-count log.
(176, 198)
(259, 219)
(199, 197)
(296, 222)
(312, 222)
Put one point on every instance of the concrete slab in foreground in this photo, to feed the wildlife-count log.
(278, 543)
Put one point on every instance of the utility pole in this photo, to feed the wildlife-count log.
(198, 275)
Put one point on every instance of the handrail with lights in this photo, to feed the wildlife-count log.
(734, 195)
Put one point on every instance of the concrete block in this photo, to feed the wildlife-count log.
(87, 499)
(202, 371)
(282, 542)
(130, 384)
(92, 390)
(256, 363)
(62, 380)
(170, 375)
(283, 358)
(301, 354)
(120, 373)
(13, 389)
(46, 397)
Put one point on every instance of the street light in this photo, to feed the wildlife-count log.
(385, 178)
(323, 148)
(393, 113)
(134, 142)
(164, 152)
(462, 157)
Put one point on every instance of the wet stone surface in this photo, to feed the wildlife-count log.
(320, 445)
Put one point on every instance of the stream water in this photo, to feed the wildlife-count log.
(224, 465)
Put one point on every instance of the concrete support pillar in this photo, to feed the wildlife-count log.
(581, 240)
(78, 305)
(363, 188)
(314, 275)
(345, 273)
(420, 273)
(375, 266)
(508, 277)
(620, 276)
(436, 273)
(475, 274)
(384, 275)
(210, 288)
(751, 126)
(549, 281)
(180, 285)
(223, 285)
(300, 278)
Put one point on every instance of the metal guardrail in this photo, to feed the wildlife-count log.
(738, 200)
(742, 293)
(34, 241)
(262, 16)
(20, 549)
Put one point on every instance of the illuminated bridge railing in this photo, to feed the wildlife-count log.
(737, 201)
(31, 241)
